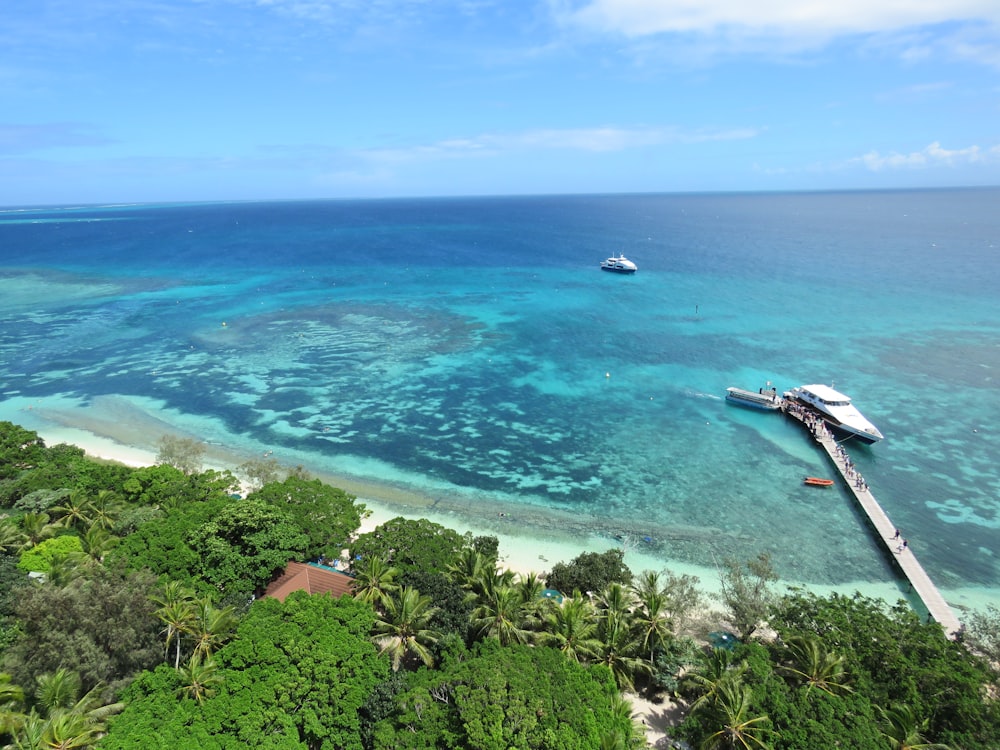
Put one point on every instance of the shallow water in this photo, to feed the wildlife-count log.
(469, 351)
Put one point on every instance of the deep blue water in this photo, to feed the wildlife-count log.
(471, 350)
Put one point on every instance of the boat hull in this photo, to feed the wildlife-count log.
(765, 401)
(817, 482)
(617, 270)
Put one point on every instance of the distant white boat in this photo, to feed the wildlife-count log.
(836, 409)
(621, 264)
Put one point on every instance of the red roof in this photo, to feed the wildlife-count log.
(312, 578)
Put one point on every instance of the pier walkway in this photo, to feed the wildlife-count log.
(884, 528)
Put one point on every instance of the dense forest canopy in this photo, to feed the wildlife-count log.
(131, 615)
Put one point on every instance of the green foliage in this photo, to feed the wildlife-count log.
(672, 657)
(893, 657)
(168, 487)
(101, 626)
(411, 545)
(983, 634)
(295, 677)
(40, 501)
(246, 545)
(747, 592)
(182, 453)
(20, 450)
(500, 698)
(590, 571)
(328, 515)
(162, 544)
(259, 472)
(452, 606)
(38, 559)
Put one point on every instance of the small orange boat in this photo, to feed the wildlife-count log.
(817, 482)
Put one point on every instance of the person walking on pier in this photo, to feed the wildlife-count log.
(897, 535)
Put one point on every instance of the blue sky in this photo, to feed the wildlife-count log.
(174, 100)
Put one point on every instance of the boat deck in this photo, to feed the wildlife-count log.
(885, 530)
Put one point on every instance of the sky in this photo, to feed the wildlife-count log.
(191, 100)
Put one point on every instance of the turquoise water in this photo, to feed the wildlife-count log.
(470, 350)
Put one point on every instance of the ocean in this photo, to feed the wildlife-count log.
(467, 355)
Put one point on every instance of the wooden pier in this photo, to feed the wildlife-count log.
(885, 530)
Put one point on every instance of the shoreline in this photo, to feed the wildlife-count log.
(531, 540)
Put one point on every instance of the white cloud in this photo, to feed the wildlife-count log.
(930, 156)
(820, 18)
(593, 140)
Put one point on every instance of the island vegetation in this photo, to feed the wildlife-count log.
(132, 615)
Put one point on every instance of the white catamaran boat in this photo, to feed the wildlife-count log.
(837, 410)
(621, 264)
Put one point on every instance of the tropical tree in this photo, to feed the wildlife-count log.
(819, 668)
(201, 678)
(184, 454)
(747, 592)
(467, 567)
(374, 581)
(501, 614)
(729, 717)
(75, 511)
(11, 701)
(69, 720)
(620, 648)
(12, 537)
(37, 527)
(403, 630)
(717, 668)
(529, 590)
(211, 627)
(106, 507)
(572, 628)
(97, 542)
(651, 617)
(590, 572)
(903, 729)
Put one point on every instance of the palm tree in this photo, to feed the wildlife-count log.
(491, 579)
(620, 648)
(375, 581)
(211, 627)
(97, 542)
(12, 537)
(904, 731)
(11, 701)
(651, 619)
(403, 630)
(467, 567)
(37, 528)
(716, 669)
(571, 628)
(616, 600)
(200, 679)
(74, 511)
(816, 666)
(177, 613)
(60, 689)
(65, 568)
(729, 712)
(529, 590)
(106, 508)
(501, 614)
(70, 721)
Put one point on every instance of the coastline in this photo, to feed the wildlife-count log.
(531, 539)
